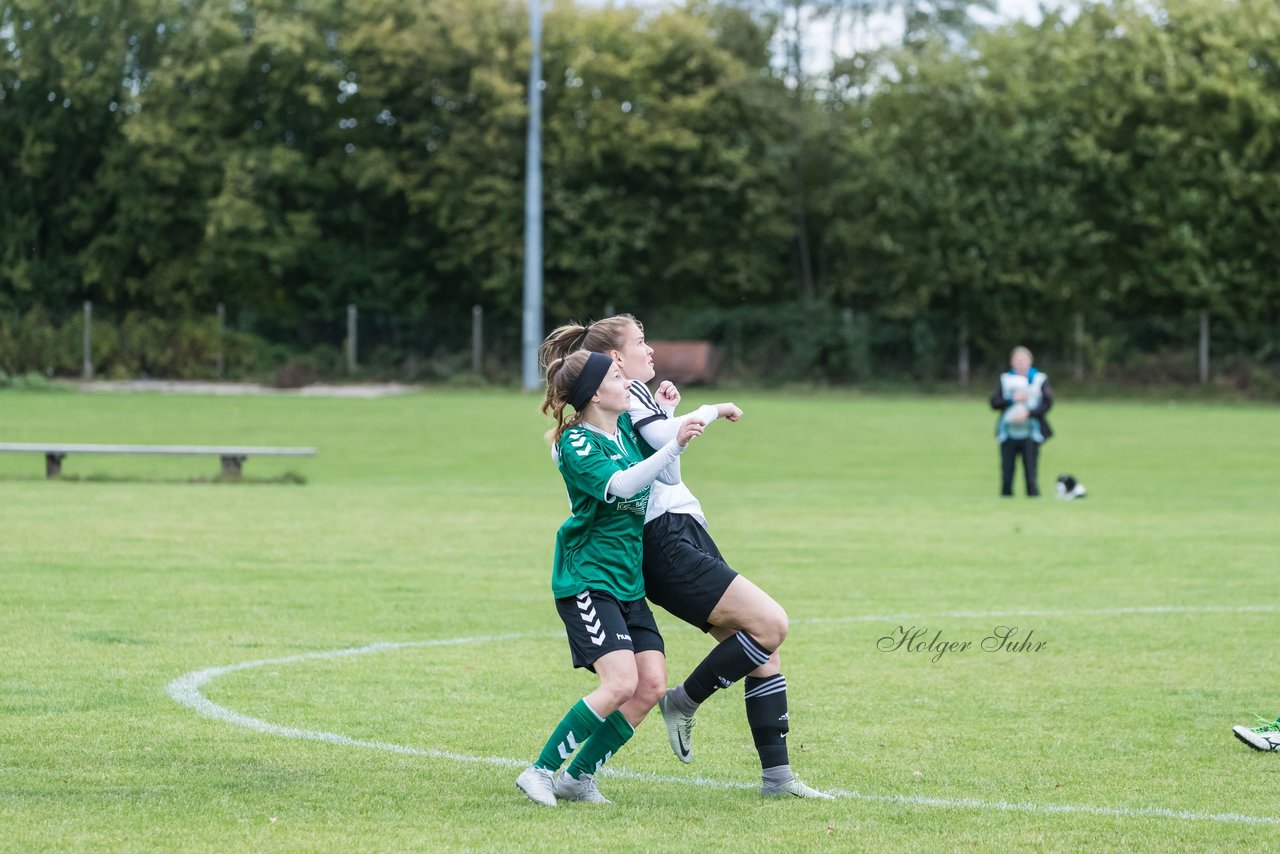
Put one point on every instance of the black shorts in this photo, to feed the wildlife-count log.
(597, 623)
(683, 570)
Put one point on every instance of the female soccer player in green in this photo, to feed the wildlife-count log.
(685, 573)
(597, 579)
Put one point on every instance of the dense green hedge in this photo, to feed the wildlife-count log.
(137, 345)
(786, 343)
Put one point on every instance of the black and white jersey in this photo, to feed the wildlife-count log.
(658, 425)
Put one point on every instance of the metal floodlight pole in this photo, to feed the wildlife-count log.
(88, 340)
(532, 325)
(352, 331)
(222, 338)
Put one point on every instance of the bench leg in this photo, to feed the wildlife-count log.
(53, 465)
(231, 467)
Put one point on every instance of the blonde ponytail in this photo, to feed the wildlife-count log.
(564, 353)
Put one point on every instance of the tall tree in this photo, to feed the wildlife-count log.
(66, 70)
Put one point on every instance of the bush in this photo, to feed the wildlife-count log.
(137, 345)
(31, 343)
(30, 381)
(787, 342)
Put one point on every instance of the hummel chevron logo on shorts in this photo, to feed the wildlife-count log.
(595, 632)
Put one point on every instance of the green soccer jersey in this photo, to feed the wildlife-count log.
(599, 546)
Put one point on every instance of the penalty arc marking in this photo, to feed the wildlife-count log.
(186, 690)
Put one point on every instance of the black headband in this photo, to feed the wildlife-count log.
(593, 373)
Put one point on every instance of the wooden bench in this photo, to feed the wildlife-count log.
(233, 456)
(685, 361)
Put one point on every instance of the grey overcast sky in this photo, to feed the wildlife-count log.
(878, 30)
(1007, 9)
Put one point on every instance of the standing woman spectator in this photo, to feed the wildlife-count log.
(597, 579)
(685, 573)
(1023, 398)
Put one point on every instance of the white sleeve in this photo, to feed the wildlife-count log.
(658, 433)
(630, 482)
(671, 474)
(656, 424)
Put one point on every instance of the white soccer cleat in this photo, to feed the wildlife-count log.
(583, 789)
(538, 784)
(793, 788)
(679, 729)
(1265, 737)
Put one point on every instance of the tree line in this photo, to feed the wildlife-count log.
(1112, 170)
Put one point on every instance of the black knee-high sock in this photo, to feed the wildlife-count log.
(733, 658)
(767, 716)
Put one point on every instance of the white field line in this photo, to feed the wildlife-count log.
(186, 690)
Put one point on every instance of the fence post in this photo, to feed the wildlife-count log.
(477, 339)
(1204, 347)
(962, 366)
(351, 338)
(222, 324)
(847, 317)
(1077, 368)
(88, 340)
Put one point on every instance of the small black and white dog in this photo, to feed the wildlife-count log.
(1068, 488)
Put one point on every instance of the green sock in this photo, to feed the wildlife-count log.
(606, 742)
(575, 728)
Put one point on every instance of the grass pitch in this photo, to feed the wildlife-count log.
(431, 518)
